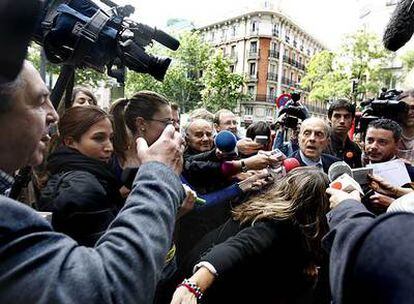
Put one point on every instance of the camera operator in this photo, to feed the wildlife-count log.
(290, 146)
(313, 139)
(39, 265)
(406, 144)
(341, 113)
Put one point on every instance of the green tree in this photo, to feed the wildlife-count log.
(181, 83)
(364, 56)
(408, 60)
(361, 58)
(222, 89)
(318, 67)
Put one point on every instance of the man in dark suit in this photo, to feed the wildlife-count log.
(313, 139)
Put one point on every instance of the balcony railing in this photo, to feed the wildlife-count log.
(272, 76)
(288, 82)
(273, 54)
(253, 53)
(315, 108)
(263, 98)
(275, 33)
(251, 77)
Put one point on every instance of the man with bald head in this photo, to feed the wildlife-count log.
(199, 137)
(313, 139)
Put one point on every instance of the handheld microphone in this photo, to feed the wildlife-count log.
(337, 169)
(340, 175)
(400, 27)
(226, 142)
(287, 165)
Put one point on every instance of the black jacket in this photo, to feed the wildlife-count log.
(349, 152)
(245, 257)
(83, 195)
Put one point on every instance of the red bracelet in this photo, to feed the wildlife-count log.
(192, 287)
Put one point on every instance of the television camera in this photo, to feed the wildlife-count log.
(386, 105)
(79, 34)
(292, 111)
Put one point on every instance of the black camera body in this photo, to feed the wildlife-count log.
(293, 111)
(81, 34)
(386, 105)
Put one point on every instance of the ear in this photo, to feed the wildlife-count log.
(70, 142)
(216, 126)
(139, 124)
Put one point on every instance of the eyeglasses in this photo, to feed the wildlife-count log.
(166, 122)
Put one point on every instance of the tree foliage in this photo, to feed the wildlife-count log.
(223, 89)
(183, 83)
(361, 58)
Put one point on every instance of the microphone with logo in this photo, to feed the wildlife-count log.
(341, 177)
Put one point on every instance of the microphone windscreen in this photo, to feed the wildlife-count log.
(290, 164)
(225, 141)
(337, 169)
(400, 27)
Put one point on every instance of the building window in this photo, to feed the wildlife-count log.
(212, 36)
(272, 68)
(252, 69)
(272, 92)
(250, 90)
(233, 31)
(269, 112)
(233, 51)
(287, 36)
(275, 46)
(232, 68)
(223, 34)
(248, 110)
(254, 27)
(275, 29)
(253, 47)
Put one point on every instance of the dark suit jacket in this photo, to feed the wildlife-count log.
(371, 259)
(327, 160)
(410, 170)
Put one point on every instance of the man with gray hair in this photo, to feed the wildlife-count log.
(39, 265)
(313, 139)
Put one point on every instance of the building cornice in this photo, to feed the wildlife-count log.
(284, 18)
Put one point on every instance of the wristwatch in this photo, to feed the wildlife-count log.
(243, 166)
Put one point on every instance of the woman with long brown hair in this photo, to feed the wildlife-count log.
(82, 192)
(276, 234)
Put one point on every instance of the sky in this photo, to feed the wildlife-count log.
(326, 20)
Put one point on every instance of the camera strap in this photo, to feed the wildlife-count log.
(88, 35)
